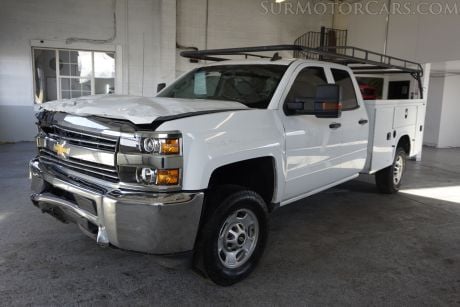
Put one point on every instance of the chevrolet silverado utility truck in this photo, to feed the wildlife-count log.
(197, 169)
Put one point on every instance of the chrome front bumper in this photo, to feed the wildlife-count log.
(161, 223)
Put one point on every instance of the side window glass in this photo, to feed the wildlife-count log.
(304, 87)
(342, 78)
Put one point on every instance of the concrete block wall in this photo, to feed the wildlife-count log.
(22, 21)
(239, 23)
(147, 32)
(145, 43)
(145, 46)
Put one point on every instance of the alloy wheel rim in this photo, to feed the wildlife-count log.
(398, 169)
(238, 238)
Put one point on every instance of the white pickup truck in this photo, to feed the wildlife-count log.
(199, 167)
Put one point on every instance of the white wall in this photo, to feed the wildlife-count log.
(448, 130)
(240, 23)
(145, 45)
(443, 107)
(145, 41)
(433, 111)
(147, 31)
(425, 38)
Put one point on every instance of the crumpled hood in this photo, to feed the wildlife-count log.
(137, 109)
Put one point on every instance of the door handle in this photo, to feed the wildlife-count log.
(363, 121)
(335, 125)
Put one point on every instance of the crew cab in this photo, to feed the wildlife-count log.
(198, 168)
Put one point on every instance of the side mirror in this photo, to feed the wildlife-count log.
(326, 103)
(160, 86)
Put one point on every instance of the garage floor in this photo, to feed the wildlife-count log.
(346, 246)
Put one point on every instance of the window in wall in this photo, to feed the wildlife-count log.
(64, 74)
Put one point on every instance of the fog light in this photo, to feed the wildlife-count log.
(167, 177)
(145, 175)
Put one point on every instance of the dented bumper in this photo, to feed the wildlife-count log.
(157, 223)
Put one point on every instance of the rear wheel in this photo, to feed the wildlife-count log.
(388, 180)
(233, 237)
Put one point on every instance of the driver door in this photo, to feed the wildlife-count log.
(311, 142)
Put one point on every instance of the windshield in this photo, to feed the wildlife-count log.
(251, 85)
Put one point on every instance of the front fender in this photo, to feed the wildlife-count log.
(214, 140)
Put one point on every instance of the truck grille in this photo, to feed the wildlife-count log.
(84, 140)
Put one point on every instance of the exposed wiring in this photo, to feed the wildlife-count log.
(98, 41)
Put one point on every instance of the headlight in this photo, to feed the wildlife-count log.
(170, 146)
(151, 158)
(151, 145)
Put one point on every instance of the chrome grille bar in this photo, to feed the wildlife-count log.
(80, 162)
(80, 141)
(84, 139)
(87, 153)
(80, 166)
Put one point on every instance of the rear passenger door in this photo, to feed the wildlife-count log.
(351, 152)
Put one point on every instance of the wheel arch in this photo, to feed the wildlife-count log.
(405, 143)
(256, 174)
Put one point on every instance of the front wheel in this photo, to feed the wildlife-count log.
(388, 180)
(233, 237)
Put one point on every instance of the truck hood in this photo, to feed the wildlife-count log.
(137, 109)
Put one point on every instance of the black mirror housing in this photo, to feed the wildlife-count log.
(297, 106)
(326, 103)
(160, 86)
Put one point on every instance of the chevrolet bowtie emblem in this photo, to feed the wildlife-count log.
(61, 150)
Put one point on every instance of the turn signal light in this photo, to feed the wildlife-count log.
(331, 106)
(170, 147)
(167, 177)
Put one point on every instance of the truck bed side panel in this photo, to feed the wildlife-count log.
(389, 121)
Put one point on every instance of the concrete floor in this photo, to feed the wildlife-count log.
(346, 246)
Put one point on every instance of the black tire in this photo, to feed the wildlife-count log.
(224, 204)
(385, 179)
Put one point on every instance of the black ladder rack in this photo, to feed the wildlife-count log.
(361, 61)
